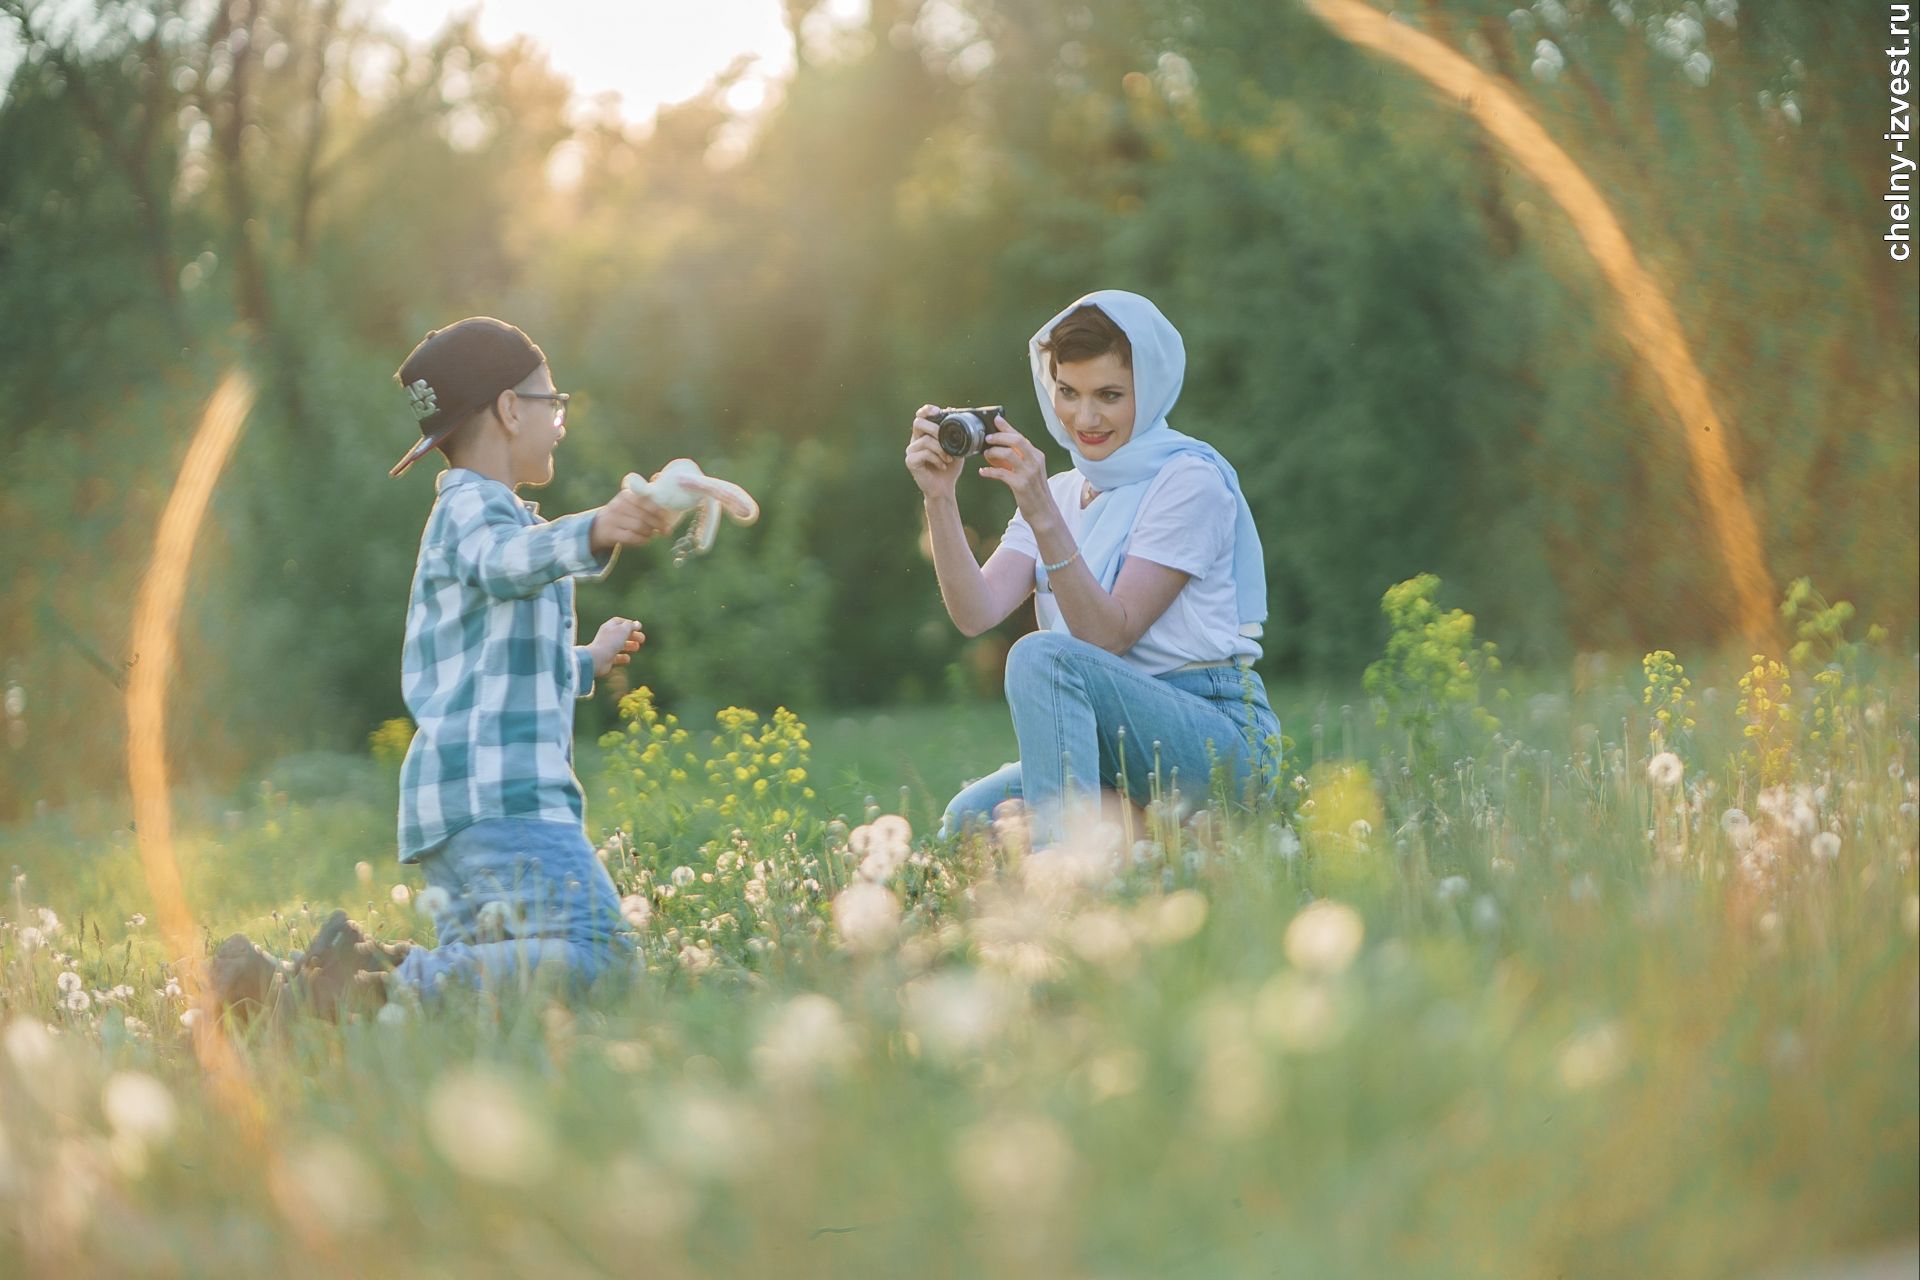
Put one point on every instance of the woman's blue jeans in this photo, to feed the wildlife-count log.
(522, 895)
(1085, 720)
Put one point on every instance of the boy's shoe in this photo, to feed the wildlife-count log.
(244, 979)
(343, 971)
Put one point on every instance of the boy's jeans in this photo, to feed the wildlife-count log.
(1070, 699)
(521, 894)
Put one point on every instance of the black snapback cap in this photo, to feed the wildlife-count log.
(458, 369)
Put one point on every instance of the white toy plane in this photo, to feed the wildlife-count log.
(682, 486)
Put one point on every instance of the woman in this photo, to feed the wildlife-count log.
(1148, 574)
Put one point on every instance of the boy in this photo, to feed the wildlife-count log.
(490, 809)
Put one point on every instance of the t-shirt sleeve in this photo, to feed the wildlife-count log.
(1187, 522)
(1019, 537)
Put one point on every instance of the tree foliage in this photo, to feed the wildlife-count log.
(1397, 339)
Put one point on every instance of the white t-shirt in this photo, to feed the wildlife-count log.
(1186, 522)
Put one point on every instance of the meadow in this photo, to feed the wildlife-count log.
(1608, 972)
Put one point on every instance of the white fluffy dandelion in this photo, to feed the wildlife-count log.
(481, 1125)
(138, 1106)
(432, 902)
(636, 909)
(1738, 826)
(803, 1039)
(401, 895)
(682, 877)
(1325, 937)
(1826, 846)
(1665, 771)
(867, 916)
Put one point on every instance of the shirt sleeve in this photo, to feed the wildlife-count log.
(1019, 537)
(583, 672)
(492, 550)
(1187, 522)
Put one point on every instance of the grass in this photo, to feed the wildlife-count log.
(1518, 1011)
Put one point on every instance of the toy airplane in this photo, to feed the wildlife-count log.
(682, 486)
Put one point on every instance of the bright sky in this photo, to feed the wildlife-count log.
(649, 52)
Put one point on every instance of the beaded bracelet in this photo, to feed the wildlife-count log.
(1055, 568)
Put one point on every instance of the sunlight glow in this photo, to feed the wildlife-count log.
(647, 52)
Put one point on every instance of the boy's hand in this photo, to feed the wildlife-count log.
(613, 643)
(629, 520)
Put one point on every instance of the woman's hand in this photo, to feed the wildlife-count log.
(933, 468)
(1015, 462)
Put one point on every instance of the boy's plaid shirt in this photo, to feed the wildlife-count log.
(490, 670)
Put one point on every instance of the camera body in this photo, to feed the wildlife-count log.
(964, 432)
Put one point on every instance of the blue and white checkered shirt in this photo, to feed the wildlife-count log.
(490, 670)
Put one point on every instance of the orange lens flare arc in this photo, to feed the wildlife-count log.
(156, 617)
(1648, 320)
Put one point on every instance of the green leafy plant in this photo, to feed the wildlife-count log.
(1430, 678)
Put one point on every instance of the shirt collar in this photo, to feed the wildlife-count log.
(453, 477)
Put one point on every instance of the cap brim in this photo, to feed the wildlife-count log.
(426, 443)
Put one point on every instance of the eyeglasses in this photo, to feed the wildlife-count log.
(559, 399)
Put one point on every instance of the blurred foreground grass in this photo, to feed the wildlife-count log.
(1527, 1009)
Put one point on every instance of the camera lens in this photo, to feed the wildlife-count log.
(961, 434)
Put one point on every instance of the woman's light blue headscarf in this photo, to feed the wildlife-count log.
(1122, 477)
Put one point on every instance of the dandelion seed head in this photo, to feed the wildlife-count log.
(138, 1106)
(401, 895)
(1665, 771)
(1103, 937)
(636, 909)
(867, 916)
(1738, 827)
(682, 877)
(78, 1002)
(1174, 918)
(1826, 846)
(1451, 889)
(805, 1038)
(29, 1045)
(1297, 1013)
(959, 1012)
(326, 1178)
(68, 982)
(485, 1130)
(1324, 938)
(1014, 1165)
(363, 872)
(433, 902)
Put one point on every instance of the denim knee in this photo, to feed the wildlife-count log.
(1036, 660)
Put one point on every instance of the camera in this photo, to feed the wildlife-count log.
(965, 431)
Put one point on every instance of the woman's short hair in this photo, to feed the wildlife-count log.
(1085, 333)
